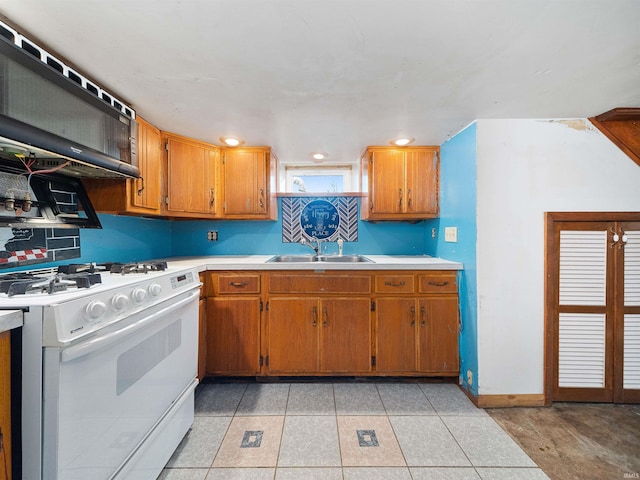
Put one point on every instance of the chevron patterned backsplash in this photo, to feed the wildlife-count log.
(292, 218)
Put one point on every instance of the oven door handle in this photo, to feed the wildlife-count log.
(97, 343)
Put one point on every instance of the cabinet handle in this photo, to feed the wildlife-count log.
(413, 316)
(409, 197)
(422, 315)
(394, 284)
(325, 317)
(238, 284)
(315, 316)
(400, 197)
(212, 197)
(142, 187)
(439, 284)
(261, 199)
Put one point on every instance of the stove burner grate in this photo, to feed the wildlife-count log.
(28, 283)
(126, 268)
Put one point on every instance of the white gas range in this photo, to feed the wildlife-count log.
(109, 366)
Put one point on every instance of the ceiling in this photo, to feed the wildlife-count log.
(336, 76)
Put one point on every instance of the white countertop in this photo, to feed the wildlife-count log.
(260, 262)
(10, 319)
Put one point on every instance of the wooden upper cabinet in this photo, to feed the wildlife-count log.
(191, 169)
(400, 183)
(248, 179)
(133, 196)
(145, 191)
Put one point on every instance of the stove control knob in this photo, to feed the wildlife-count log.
(119, 302)
(139, 295)
(155, 289)
(94, 310)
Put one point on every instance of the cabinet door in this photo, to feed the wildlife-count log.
(188, 178)
(145, 191)
(386, 176)
(396, 334)
(438, 335)
(421, 182)
(233, 335)
(627, 335)
(245, 182)
(345, 344)
(202, 339)
(214, 196)
(293, 335)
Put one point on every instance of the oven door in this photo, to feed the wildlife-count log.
(105, 395)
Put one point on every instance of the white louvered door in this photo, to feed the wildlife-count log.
(628, 336)
(597, 312)
(583, 319)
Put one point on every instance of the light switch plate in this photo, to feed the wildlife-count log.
(450, 234)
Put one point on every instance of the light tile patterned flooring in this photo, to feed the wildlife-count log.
(344, 431)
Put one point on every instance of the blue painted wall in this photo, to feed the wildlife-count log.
(264, 238)
(458, 209)
(125, 239)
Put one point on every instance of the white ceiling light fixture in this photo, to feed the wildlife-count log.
(319, 156)
(231, 141)
(402, 141)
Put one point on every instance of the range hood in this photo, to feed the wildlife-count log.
(53, 117)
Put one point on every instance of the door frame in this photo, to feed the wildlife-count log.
(551, 253)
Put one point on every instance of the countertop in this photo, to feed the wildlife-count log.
(260, 262)
(10, 319)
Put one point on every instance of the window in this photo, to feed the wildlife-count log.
(319, 179)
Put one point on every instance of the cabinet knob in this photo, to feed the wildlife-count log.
(315, 316)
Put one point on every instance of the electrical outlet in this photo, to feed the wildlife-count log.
(433, 232)
(469, 377)
(212, 235)
(451, 234)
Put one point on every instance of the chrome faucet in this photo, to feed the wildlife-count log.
(317, 248)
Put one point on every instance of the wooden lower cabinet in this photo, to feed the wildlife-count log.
(396, 333)
(312, 335)
(331, 323)
(292, 341)
(438, 335)
(417, 335)
(202, 339)
(233, 335)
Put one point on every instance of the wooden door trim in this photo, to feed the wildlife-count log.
(551, 253)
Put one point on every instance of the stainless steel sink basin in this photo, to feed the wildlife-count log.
(293, 258)
(344, 259)
(319, 258)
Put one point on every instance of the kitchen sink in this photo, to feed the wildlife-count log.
(293, 258)
(319, 258)
(344, 259)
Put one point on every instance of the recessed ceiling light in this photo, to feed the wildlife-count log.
(319, 156)
(231, 141)
(402, 141)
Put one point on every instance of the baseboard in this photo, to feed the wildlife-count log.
(497, 401)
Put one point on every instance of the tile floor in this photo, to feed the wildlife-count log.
(344, 431)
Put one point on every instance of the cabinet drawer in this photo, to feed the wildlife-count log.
(438, 283)
(394, 283)
(237, 284)
(300, 283)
